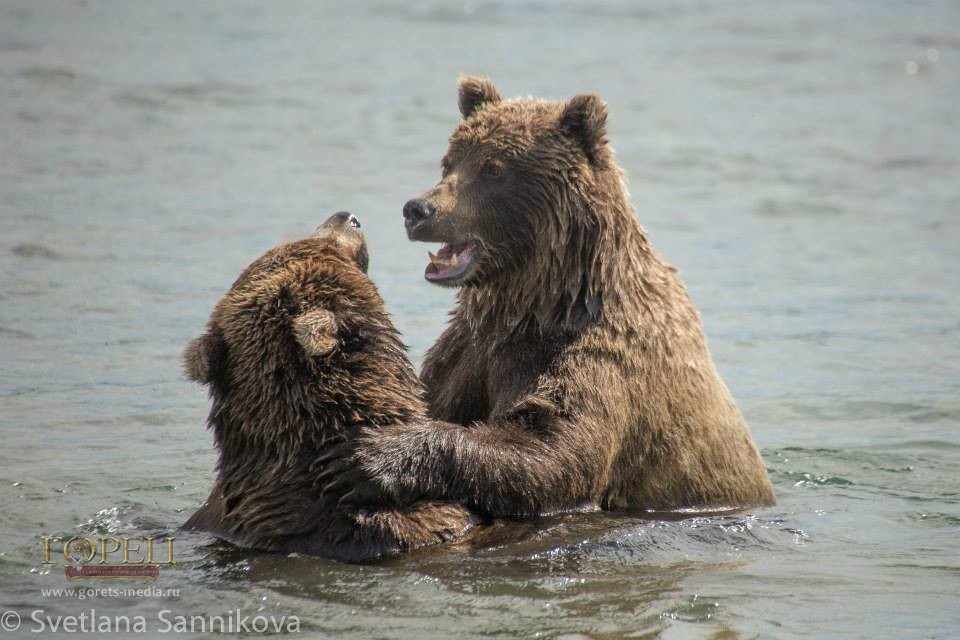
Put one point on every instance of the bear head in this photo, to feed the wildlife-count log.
(301, 347)
(528, 190)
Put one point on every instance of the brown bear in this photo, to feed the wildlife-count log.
(574, 372)
(299, 356)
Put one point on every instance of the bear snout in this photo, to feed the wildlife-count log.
(417, 211)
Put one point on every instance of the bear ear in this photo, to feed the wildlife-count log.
(585, 120)
(474, 93)
(203, 356)
(316, 332)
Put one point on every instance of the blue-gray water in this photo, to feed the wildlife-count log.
(797, 161)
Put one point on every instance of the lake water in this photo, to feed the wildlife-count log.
(797, 161)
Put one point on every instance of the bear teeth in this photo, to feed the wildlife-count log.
(452, 261)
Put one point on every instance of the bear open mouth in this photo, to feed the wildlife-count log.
(452, 261)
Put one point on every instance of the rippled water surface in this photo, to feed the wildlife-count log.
(797, 161)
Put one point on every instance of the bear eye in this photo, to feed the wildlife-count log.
(493, 169)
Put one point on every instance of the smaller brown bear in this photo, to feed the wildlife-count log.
(299, 356)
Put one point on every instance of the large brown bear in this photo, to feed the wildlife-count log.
(574, 373)
(299, 355)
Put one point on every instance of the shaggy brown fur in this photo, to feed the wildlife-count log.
(575, 366)
(299, 355)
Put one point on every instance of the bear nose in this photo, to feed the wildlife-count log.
(416, 211)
